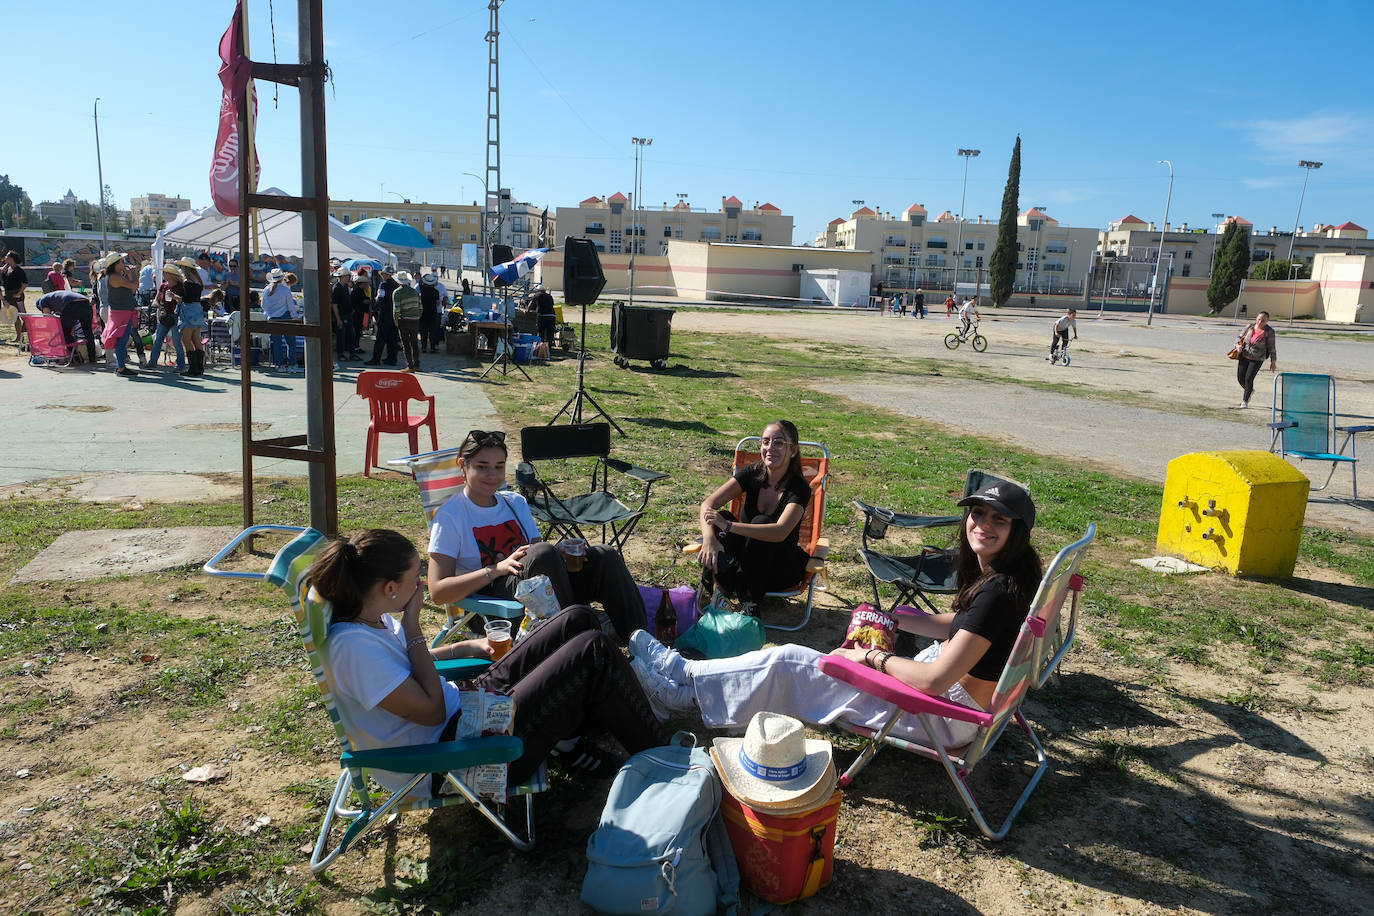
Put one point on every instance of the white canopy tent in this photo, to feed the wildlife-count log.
(277, 232)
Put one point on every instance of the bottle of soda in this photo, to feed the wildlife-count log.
(665, 621)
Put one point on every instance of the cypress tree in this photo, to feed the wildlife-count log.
(1002, 264)
(1232, 263)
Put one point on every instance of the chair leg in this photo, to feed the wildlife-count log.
(525, 844)
(806, 618)
(370, 452)
(433, 436)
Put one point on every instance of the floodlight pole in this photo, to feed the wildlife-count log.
(1307, 165)
(636, 189)
(100, 173)
(1159, 255)
(959, 245)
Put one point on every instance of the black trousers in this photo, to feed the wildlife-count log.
(748, 569)
(570, 679)
(1246, 370)
(387, 338)
(603, 578)
(74, 316)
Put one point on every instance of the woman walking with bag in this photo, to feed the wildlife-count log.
(1254, 343)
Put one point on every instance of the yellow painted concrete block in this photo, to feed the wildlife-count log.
(1240, 510)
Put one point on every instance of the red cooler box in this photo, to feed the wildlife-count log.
(785, 857)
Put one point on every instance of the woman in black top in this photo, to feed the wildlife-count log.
(15, 281)
(750, 556)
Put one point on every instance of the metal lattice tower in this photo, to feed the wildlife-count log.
(492, 213)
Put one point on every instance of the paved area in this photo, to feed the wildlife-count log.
(80, 555)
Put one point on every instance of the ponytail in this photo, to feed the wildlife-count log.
(347, 569)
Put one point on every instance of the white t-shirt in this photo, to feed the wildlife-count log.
(277, 301)
(475, 536)
(1064, 323)
(368, 664)
(966, 309)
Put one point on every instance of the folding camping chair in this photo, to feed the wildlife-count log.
(439, 476)
(1303, 422)
(816, 470)
(567, 516)
(916, 576)
(351, 801)
(1035, 655)
(47, 344)
(219, 344)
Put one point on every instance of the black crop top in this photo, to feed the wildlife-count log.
(994, 615)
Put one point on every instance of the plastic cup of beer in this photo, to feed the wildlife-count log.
(498, 637)
(574, 551)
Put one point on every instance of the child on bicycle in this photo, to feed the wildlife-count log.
(1062, 326)
(968, 312)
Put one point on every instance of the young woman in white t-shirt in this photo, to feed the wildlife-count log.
(484, 541)
(568, 678)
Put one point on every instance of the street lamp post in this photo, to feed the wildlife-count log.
(959, 245)
(1212, 261)
(100, 173)
(637, 189)
(481, 246)
(682, 229)
(1307, 166)
(1159, 255)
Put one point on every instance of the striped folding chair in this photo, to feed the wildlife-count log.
(351, 806)
(1042, 642)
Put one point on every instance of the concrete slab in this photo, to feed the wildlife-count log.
(81, 555)
(78, 422)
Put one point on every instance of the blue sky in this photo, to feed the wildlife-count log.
(807, 105)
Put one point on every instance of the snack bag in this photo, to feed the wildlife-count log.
(485, 712)
(536, 594)
(870, 628)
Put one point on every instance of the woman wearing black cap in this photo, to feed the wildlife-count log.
(998, 573)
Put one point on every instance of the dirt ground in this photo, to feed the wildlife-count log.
(1165, 792)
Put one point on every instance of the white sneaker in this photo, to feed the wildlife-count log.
(666, 696)
(1244, 404)
(663, 659)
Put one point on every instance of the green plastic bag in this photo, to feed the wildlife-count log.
(722, 633)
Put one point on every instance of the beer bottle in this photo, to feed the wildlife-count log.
(665, 621)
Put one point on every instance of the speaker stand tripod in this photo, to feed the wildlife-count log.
(573, 408)
(503, 347)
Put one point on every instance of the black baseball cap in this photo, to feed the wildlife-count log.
(1010, 499)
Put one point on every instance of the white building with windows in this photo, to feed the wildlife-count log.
(616, 227)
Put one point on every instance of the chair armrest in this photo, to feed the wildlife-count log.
(903, 520)
(630, 470)
(1354, 429)
(492, 607)
(460, 669)
(888, 688)
(440, 757)
(525, 476)
(430, 399)
(1286, 424)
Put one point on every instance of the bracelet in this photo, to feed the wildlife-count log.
(414, 641)
(868, 658)
(490, 577)
(728, 525)
(882, 662)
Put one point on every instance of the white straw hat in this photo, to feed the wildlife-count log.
(774, 766)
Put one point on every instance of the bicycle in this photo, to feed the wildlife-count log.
(1060, 354)
(979, 342)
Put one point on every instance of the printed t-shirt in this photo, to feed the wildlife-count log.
(477, 536)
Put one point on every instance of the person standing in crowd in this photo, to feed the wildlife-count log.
(231, 286)
(950, 305)
(168, 300)
(1060, 336)
(339, 304)
(191, 318)
(919, 304)
(14, 281)
(75, 311)
(545, 317)
(147, 285)
(407, 309)
(69, 273)
(429, 313)
(118, 296)
(384, 322)
(279, 305)
(54, 280)
(467, 287)
(203, 268)
(358, 300)
(1256, 343)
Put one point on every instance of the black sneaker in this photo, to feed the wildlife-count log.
(588, 759)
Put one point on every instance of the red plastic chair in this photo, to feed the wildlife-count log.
(388, 395)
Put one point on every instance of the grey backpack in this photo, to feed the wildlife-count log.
(661, 846)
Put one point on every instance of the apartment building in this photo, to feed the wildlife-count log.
(154, 207)
(445, 225)
(616, 227)
(912, 250)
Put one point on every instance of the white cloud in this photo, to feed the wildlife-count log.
(1316, 136)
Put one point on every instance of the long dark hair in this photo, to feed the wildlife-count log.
(1017, 562)
(347, 568)
(794, 466)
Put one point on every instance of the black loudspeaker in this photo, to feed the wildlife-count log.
(501, 254)
(583, 278)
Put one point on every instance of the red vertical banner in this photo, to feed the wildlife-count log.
(235, 73)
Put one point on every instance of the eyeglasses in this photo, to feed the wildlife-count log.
(484, 437)
(780, 440)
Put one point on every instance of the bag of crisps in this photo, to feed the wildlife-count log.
(870, 628)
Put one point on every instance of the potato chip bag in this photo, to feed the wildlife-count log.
(870, 628)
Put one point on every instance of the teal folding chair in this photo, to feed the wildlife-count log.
(1039, 647)
(351, 804)
(1303, 423)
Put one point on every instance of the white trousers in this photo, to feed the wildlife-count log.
(784, 679)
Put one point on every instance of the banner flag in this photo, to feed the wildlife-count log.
(235, 74)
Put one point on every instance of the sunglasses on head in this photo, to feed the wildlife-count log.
(481, 436)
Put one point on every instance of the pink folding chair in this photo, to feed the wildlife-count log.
(47, 344)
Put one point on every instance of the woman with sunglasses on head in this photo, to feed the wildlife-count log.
(997, 573)
(484, 540)
(568, 678)
(745, 558)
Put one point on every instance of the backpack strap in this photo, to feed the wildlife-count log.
(727, 869)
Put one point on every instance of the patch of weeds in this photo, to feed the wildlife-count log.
(1115, 754)
(198, 682)
(1261, 639)
(1192, 653)
(272, 897)
(439, 885)
(286, 724)
(183, 850)
(935, 829)
(1248, 700)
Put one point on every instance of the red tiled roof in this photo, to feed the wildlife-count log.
(1128, 218)
(864, 210)
(732, 201)
(682, 205)
(1239, 219)
(1350, 225)
(839, 220)
(591, 200)
(915, 208)
(770, 208)
(1035, 211)
(944, 216)
(617, 197)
